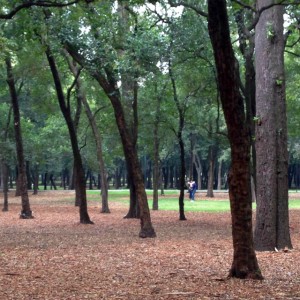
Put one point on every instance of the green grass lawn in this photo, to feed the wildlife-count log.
(169, 202)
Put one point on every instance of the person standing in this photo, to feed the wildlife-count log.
(192, 189)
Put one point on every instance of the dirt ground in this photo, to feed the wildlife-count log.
(54, 257)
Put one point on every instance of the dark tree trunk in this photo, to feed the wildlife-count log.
(220, 175)
(246, 46)
(272, 215)
(45, 181)
(198, 166)
(26, 212)
(133, 211)
(181, 145)
(29, 179)
(156, 154)
(156, 165)
(52, 182)
(5, 170)
(109, 84)
(244, 263)
(80, 188)
(36, 179)
(97, 135)
(211, 171)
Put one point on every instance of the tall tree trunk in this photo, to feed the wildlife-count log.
(156, 148)
(272, 216)
(211, 171)
(247, 46)
(181, 144)
(5, 184)
(80, 188)
(97, 135)
(109, 85)
(198, 167)
(244, 263)
(36, 179)
(220, 175)
(26, 212)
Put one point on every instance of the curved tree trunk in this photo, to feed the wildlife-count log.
(109, 85)
(97, 136)
(26, 212)
(80, 188)
(244, 263)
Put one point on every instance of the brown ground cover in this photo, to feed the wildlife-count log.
(54, 257)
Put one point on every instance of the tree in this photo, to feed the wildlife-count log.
(26, 212)
(78, 166)
(96, 132)
(272, 220)
(244, 263)
(104, 70)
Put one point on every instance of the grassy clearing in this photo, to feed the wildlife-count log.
(170, 201)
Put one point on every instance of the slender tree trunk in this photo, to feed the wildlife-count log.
(161, 179)
(36, 179)
(198, 166)
(80, 188)
(156, 149)
(220, 175)
(45, 181)
(26, 212)
(155, 171)
(211, 171)
(244, 263)
(5, 185)
(109, 84)
(97, 136)
(272, 215)
(181, 144)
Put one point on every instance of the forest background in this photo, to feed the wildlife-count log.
(76, 75)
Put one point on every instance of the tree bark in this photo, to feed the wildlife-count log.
(272, 216)
(156, 143)
(211, 171)
(26, 212)
(109, 86)
(244, 263)
(97, 136)
(5, 185)
(181, 144)
(80, 188)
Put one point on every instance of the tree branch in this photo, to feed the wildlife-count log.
(193, 7)
(29, 4)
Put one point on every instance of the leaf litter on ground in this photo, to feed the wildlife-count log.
(54, 257)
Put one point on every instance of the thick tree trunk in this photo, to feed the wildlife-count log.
(244, 263)
(133, 211)
(26, 212)
(80, 188)
(272, 217)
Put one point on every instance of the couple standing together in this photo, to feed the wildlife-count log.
(192, 187)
